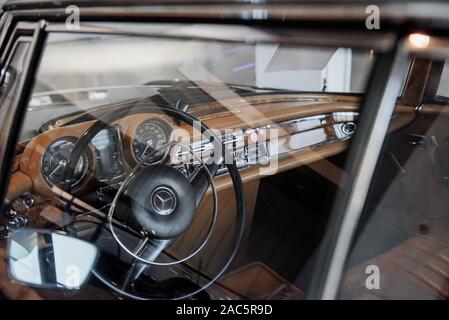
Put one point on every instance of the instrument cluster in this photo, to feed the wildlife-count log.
(105, 158)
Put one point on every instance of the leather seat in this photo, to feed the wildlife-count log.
(416, 269)
(257, 281)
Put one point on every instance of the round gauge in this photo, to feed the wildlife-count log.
(149, 135)
(55, 159)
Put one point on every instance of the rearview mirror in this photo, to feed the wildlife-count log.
(49, 260)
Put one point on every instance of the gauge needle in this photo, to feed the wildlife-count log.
(60, 164)
(145, 150)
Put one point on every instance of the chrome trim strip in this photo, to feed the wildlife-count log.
(307, 132)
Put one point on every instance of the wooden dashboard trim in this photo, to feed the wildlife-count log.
(310, 155)
(297, 159)
(250, 117)
(18, 184)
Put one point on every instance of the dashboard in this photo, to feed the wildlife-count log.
(279, 132)
(105, 160)
(305, 129)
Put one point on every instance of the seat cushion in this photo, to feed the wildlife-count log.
(257, 281)
(416, 269)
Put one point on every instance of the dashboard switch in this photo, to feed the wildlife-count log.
(16, 223)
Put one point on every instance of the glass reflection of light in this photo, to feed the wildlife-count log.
(37, 258)
(24, 263)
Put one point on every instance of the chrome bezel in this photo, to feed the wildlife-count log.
(166, 131)
(69, 139)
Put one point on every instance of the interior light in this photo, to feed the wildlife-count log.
(419, 40)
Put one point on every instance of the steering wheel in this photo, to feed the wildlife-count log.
(163, 201)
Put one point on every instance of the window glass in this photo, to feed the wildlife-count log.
(81, 71)
(108, 153)
(402, 247)
(443, 87)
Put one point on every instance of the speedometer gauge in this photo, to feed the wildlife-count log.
(149, 135)
(55, 159)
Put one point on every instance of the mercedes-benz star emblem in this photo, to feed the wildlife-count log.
(163, 201)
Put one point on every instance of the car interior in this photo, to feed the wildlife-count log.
(119, 150)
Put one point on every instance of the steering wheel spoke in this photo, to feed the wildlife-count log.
(200, 180)
(169, 150)
(148, 249)
(200, 184)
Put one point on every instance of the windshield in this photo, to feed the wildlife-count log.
(82, 71)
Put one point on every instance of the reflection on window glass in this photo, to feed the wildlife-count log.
(402, 247)
(130, 108)
(443, 88)
(50, 260)
(24, 260)
(83, 71)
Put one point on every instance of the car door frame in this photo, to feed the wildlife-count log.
(12, 32)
